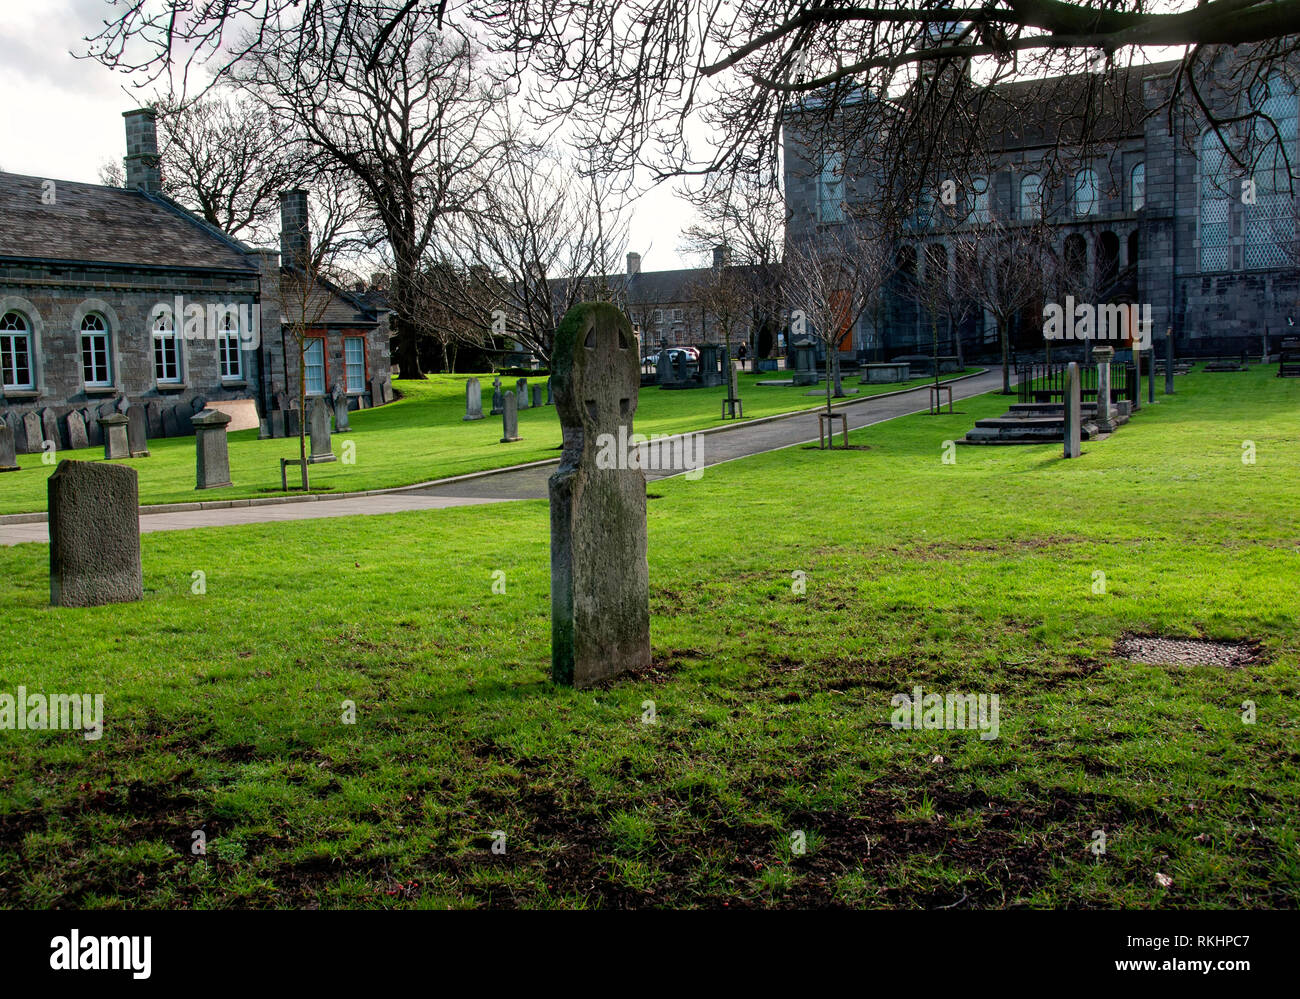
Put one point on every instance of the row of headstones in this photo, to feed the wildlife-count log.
(123, 436)
(600, 598)
(518, 398)
(282, 420)
(683, 370)
(82, 428)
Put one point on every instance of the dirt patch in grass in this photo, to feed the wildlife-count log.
(1155, 650)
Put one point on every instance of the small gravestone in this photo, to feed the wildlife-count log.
(362, 402)
(341, 421)
(498, 402)
(1105, 412)
(15, 424)
(291, 423)
(154, 418)
(550, 398)
(275, 423)
(521, 392)
(710, 374)
(120, 405)
(537, 396)
(509, 419)
(115, 429)
(137, 436)
(319, 425)
(171, 422)
(600, 580)
(8, 453)
(377, 391)
(211, 455)
(664, 373)
(473, 400)
(683, 367)
(94, 523)
(1169, 359)
(1073, 430)
(50, 428)
(32, 436)
(78, 440)
(94, 435)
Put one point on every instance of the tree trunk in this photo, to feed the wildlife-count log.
(1006, 356)
(302, 407)
(834, 358)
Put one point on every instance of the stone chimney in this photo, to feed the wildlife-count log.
(633, 264)
(722, 256)
(142, 151)
(295, 237)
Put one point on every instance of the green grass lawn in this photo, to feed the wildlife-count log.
(772, 709)
(415, 439)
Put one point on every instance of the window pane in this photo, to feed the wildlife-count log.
(354, 353)
(315, 367)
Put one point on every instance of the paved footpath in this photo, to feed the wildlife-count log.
(722, 445)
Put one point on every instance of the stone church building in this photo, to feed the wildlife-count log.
(113, 297)
(1145, 214)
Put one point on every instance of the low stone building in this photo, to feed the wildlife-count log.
(111, 297)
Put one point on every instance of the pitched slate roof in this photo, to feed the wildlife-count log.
(339, 308)
(108, 225)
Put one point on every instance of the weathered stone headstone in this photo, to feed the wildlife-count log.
(116, 445)
(137, 437)
(120, 405)
(341, 420)
(710, 374)
(1073, 428)
(1105, 412)
(537, 396)
(498, 401)
(509, 418)
(50, 428)
(664, 372)
(171, 422)
(281, 400)
(32, 434)
(78, 440)
(94, 522)
(683, 366)
(154, 417)
(8, 453)
(1169, 359)
(275, 423)
(521, 393)
(378, 391)
(291, 423)
(805, 362)
(600, 579)
(15, 424)
(211, 456)
(473, 400)
(321, 449)
(94, 434)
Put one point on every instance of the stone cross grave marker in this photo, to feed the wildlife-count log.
(94, 522)
(319, 428)
(212, 459)
(600, 579)
(1072, 414)
(473, 400)
(8, 453)
(116, 445)
(497, 401)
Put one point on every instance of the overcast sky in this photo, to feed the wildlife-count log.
(62, 116)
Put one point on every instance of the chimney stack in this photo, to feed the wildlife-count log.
(295, 237)
(633, 264)
(722, 256)
(142, 151)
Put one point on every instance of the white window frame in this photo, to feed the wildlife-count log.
(165, 338)
(230, 359)
(348, 363)
(11, 331)
(317, 342)
(97, 337)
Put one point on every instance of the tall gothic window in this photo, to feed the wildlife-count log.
(1031, 197)
(1137, 187)
(1271, 218)
(979, 201)
(15, 351)
(95, 368)
(1087, 201)
(1216, 205)
(830, 187)
(166, 351)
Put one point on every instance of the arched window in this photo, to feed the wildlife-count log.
(96, 368)
(16, 352)
(228, 345)
(830, 187)
(1086, 199)
(1031, 197)
(1216, 249)
(166, 351)
(1137, 187)
(1270, 213)
(979, 201)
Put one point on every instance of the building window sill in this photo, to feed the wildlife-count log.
(20, 394)
(233, 383)
(172, 386)
(100, 390)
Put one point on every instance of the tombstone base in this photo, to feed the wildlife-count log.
(140, 454)
(510, 440)
(10, 468)
(465, 419)
(321, 459)
(215, 485)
